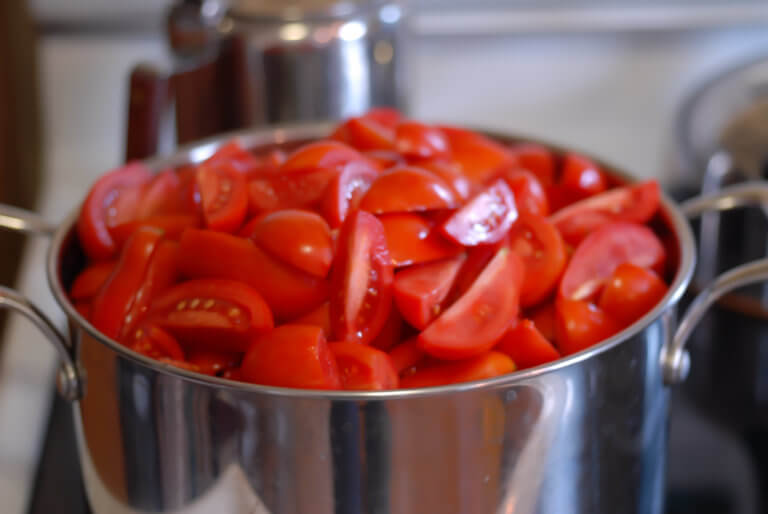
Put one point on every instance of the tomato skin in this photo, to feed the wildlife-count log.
(364, 134)
(90, 281)
(478, 156)
(537, 159)
(420, 290)
(320, 154)
(291, 356)
(530, 197)
(364, 368)
(289, 292)
(412, 239)
(544, 319)
(300, 189)
(172, 225)
(346, 190)
(487, 365)
(406, 189)
(450, 172)
(636, 203)
(414, 139)
(602, 251)
(233, 154)
(320, 317)
(526, 346)
(476, 321)
(93, 223)
(385, 159)
(485, 219)
(213, 362)
(224, 196)
(152, 341)
(581, 324)
(297, 237)
(631, 292)
(542, 249)
(390, 333)
(581, 177)
(406, 355)
(362, 280)
(116, 297)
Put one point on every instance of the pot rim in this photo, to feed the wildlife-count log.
(250, 138)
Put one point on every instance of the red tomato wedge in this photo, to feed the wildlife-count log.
(320, 154)
(636, 203)
(161, 196)
(406, 355)
(362, 280)
(603, 251)
(363, 368)
(450, 172)
(89, 282)
(289, 292)
(224, 196)
(476, 321)
(384, 116)
(485, 219)
(631, 292)
(542, 249)
(105, 206)
(234, 155)
(544, 318)
(405, 189)
(537, 159)
(365, 134)
(581, 177)
(412, 239)
(320, 317)
(154, 342)
(478, 156)
(486, 365)
(421, 290)
(390, 334)
(213, 362)
(346, 190)
(291, 356)
(526, 346)
(414, 139)
(385, 159)
(114, 301)
(299, 238)
(300, 189)
(580, 325)
(530, 196)
(477, 259)
(219, 315)
(172, 226)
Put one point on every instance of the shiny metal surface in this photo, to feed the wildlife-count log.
(22, 220)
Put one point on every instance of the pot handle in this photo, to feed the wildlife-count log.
(675, 360)
(21, 220)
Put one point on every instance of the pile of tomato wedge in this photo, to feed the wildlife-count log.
(393, 254)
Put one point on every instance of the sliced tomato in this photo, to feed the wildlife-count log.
(525, 345)
(298, 189)
(420, 291)
(118, 294)
(289, 292)
(544, 318)
(602, 251)
(486, 365)
(581, 324)
(385, 159)
(413, 239)
(390, 334)
(224, 196)
(291, 356)
(364, 133)
(636, 203)
(297, 237)
(406, 355)
(320, 317)
(581, 177)
(154, 342)
(105, 206)
(476, 321)
(89, 282)
(631, 292)
(537, 159)
(161, 196)
(363, 367)
(362, 280)
(384, 116)
(213, 362)
(478, 156)
(477, 259)
(485, 219)
(530, 196)
(172, 226)
(542, 249)
(212, 314)
(320, 154)
(237, 157)
(346, 190)
(414, 139)
(405, 189)
(450, 172)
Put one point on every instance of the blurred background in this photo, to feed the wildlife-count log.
(607, 77)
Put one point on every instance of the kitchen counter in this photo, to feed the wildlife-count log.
(610, 93)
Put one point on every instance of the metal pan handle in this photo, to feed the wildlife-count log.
(675, 361)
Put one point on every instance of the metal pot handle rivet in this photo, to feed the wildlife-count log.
(675, 360)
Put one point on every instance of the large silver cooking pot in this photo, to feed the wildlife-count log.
(586, 434)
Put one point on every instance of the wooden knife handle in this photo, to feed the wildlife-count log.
(148, 101)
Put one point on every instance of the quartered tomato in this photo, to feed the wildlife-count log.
(486, 365)
(631, 292)
(406, 355)
(346, 190)
(636, 203)
(89, 282)
(450, 172)
(581, 177)
(362, 280)
(390, 333)
(320, 317)
(113, 199)
(219, 315)
(213, 362)
(478, 156)
(363, 367)
(581, 324)
(525, 345)
(365, 133)
(321, 154)
(161, 196)
(234, 155)
(297, 237)
(537, 159)
(413, 239)
(603, 251)
(291, 356)
(530, 196)
(421, 290)
(405, 189)
(154, 342)
(542, 249)
(289, 292)
(485, 219)
(172, 226)
(477, 259)
(414, 139)
(384, 159)
(224, 196)
(544, 318)
(476, 321)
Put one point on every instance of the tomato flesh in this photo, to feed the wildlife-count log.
(525, 345)
(581, 177)
(412, 239)
(89, 282)
(406, 355)
(346, 190)
(631, 292)
(224, 197)
(363, 367)
(414, 139)
(320, 317)
(213, 362)
(488, 365)
(154, 342)
(530, 196)
(537, 159)
(406, 189)
(485, 219)
(420, 291)
(478, 156)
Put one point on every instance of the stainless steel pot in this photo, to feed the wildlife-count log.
(585, 434)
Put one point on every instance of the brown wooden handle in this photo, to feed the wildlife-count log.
(148, 100)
